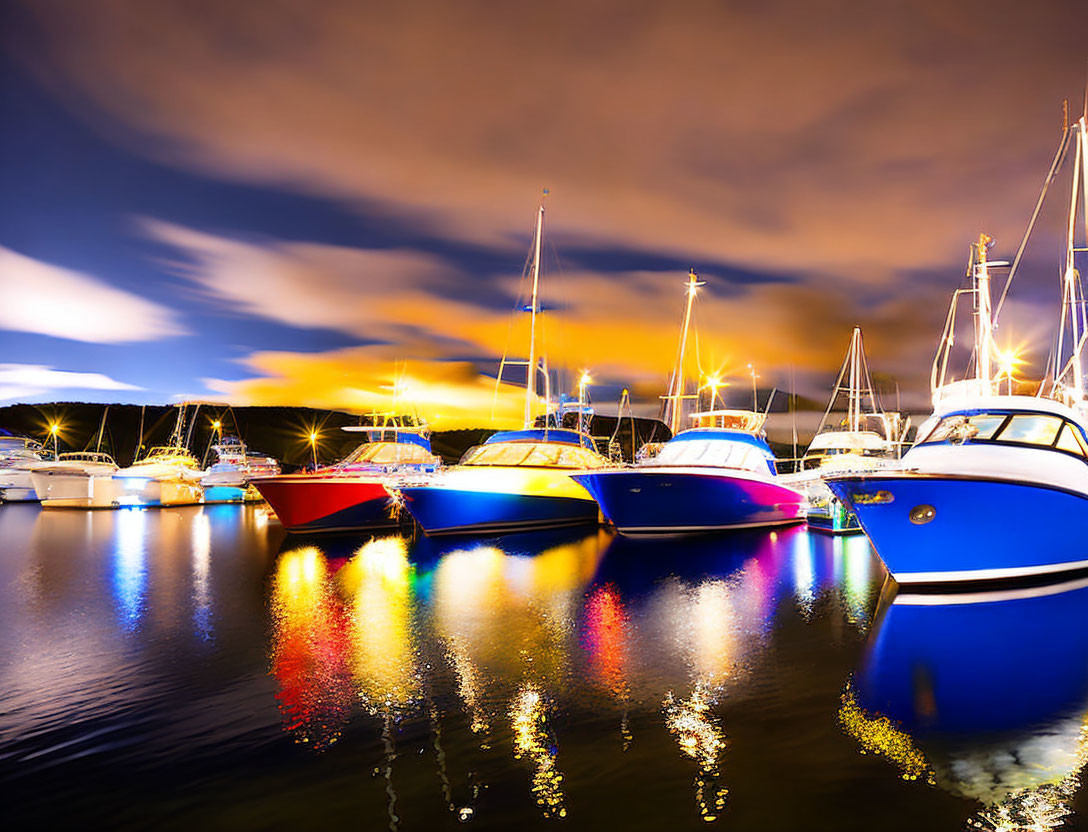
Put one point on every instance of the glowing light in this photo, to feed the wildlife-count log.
(702, 739)
(528, 716)
(880, 736)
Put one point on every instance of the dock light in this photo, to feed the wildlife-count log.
(313, 446)
(714, 383)
(583, 383)
(54, 429)
(1008, 361)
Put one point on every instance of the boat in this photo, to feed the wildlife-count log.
(167, 475)
(996, 485)
(516, 480)
(82, 479)
(715, 476)
(353, 494)
(19, 456)
(868, 438)
(229, 478)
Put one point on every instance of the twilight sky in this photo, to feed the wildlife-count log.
(288, 202)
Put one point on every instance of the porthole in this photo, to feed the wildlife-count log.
(920, 515)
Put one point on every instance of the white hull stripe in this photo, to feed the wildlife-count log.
(987, 574)
(907, 600)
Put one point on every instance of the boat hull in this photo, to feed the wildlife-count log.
(16, 486)
(968, 528)
(73, 490)
(308, 504)
(644, 502)
(455, 511)
(138, 491)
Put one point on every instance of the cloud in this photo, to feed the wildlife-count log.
(22, 381)
(716, 131)
(449, 394)
(50, 300)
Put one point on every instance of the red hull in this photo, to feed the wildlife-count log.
(305, 502)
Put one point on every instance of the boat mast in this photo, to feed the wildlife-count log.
(984, 324)
(677, 386)
(530, 380)
(101, 430)
(1073, 301)
(853, 415)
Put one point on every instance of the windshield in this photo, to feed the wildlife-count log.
(533, 455)
(388, 453)
(1039, 429)
(717, 453)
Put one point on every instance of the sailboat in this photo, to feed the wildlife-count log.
(996, 485)
(80, 479)
(516, 480)
(717, 475)
(867, 439)
(167, 475)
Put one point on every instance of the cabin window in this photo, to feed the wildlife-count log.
(1031, 429)
(1070, 440)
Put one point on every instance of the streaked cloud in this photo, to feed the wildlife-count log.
(23, 381)
(49, 300)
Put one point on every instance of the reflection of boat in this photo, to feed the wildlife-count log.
(706, 479)
(78, 480)
(352, 495)
(228, 478)
(19, 455)
(515, 481)
(982, 693)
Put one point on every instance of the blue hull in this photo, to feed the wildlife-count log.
(649, 502)
(224, 494)
(452, 511)
(967, 529)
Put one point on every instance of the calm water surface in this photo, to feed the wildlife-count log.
(195, 667)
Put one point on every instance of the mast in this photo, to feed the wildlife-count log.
(853, 414)
(530, 380)
(1074, 311)
(101, 429)
(677, 385)
(984, 324)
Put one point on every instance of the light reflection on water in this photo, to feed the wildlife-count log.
(750, 682)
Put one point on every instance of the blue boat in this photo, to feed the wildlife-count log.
(705, 479)
(515, 481)
(996, 487)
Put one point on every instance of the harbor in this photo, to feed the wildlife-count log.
(581, 417)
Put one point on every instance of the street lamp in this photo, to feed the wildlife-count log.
(313, 446)
(54, 429)
(714, 383)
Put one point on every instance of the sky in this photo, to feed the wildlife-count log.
(331, 203)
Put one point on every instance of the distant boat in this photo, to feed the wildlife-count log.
(867, 439)
(352, 495)
(167, 475)
(228, 479)
(19, 456)
(713, 477)
(83, 479)
(996, 486)
(516, 480)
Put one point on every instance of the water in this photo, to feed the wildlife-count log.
(194, 667)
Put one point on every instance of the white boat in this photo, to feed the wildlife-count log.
(867, 438)
(77, 480)
(167, 475)
(228, 479)
(996, 486)
(19, 455)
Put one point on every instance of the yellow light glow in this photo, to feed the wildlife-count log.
(585, 379)
(54, 429)
(313, 438)
(217, 424)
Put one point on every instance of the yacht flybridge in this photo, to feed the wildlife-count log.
(516, 480)
(996, 485)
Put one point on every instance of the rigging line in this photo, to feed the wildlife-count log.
(1055, 166)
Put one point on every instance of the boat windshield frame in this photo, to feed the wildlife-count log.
(367, 453)
(989, 426)
(734, 455)
(522, 454)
